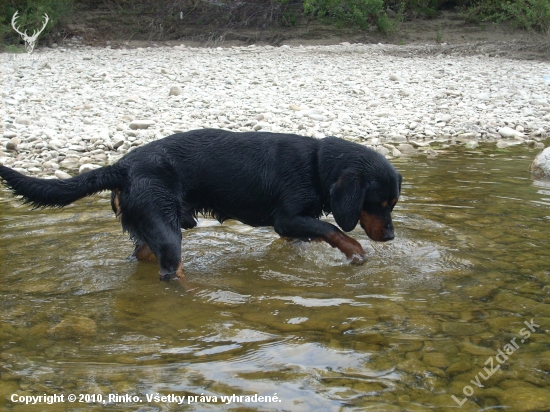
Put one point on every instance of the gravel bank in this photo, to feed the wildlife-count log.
(72, 109)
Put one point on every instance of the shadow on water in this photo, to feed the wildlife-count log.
(258, 315)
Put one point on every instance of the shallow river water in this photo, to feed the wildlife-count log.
(418, 327)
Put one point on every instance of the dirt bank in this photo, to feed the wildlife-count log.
(447, 34)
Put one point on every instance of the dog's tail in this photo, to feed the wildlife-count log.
(59, 193)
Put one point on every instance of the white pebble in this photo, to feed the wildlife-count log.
(141, 124)
(508, 132)
(61, 174)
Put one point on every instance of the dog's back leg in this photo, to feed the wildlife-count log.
(161, 237)
(153, 221)
(142, 252)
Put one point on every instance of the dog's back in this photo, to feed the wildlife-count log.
(243, 176)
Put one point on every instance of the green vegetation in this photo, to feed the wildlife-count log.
(438, 35)
(362, 13)
(532, 15)
(166, 19)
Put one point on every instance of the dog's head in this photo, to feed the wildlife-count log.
(367, 193)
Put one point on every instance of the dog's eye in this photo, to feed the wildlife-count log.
(384, 204)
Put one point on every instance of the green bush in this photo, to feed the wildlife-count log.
(173, 19)
(363, 13)
(31, 17)
(532, 15)
(415, 8)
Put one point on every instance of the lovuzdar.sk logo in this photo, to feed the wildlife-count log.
(30, 41)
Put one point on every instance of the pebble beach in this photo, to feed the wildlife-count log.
(71, 109)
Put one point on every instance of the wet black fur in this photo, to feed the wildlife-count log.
(261, 179)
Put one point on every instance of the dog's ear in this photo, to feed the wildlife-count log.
(346, 199)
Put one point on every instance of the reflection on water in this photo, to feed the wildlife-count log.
(258, 315)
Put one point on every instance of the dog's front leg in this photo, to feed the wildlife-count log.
(347, 245)
(308, 227)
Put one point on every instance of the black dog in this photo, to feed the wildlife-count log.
(261, 179)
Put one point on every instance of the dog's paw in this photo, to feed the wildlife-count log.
(172, 276)
(357, 259)
(167, 276)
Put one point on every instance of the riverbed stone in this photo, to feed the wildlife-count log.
(445, 402)
(505, 300)
(375, 338)
(458, 367)
(436, 359)
(526, 399)
(473, 349)
(412, 367)
(420, 323)
(8, 388)
(462, 328)
(74, 327)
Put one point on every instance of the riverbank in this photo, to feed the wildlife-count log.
(80, 105)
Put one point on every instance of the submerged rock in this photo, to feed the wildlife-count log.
(74, 327)
(541, 164)
(436, 359)
(526, 399)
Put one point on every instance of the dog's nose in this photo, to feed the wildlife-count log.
(388, 232)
